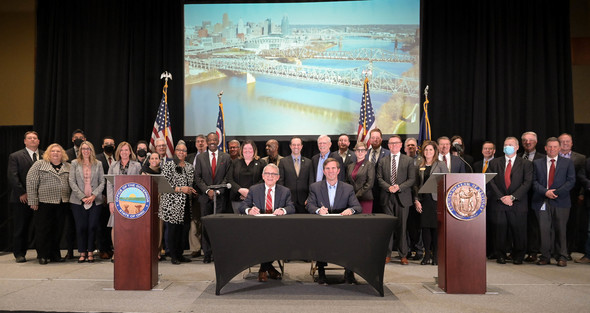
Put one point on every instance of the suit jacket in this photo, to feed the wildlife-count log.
(19, 164)
(203, 173)
(71, 153)
(76, 181)
(384, 152)
(133, 169)
(279, 158)
(299, 185)
(257, 197)
(105, 163)
(406, 177)
(521, 180)
(365, 179)
(350, 158)
(538, 155)
(478, 166)
(583, 176)
(563, 182)
(243, 176)
(315, 160)
(457, 165)
(437, 167)
(344, 199)
(45, 184)
(579, 163)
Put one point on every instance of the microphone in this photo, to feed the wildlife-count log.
(220, 186)
(458, 147)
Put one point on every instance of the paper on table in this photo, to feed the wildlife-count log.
(333, 214)
(264, 215)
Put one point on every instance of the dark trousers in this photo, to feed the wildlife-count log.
(430, 237)
(399, 241)
(207, 209)
(46, 230)
(414, 231)
(552, 227)
(533, 235)
(86, 225)
(103, 233)
(67, 227)
(515, 222)
(266, 266)
(174, 240)
(22, 218)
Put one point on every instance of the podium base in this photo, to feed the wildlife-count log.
(435, 289)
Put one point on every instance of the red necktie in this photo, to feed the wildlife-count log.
(551, 174)
(268, 206)
(213, 166)
(445, 160)
(507, 173)
(110, 160)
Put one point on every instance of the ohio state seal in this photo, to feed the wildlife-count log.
(132, 200)
(465, 201)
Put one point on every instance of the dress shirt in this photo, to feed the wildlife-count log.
(320, 172)
(511, 159)
(332, 192)
(297, 160)
(448, 159)
(272, 196)
(31, 152)
(529, 155)
(567, 155)
(396, 157)
(343, 155)
(211, 156)
(377, 152)
(549, 166)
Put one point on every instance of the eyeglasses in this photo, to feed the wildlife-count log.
(161, 146)
(181, 150)
(360, 150)
(270, 174)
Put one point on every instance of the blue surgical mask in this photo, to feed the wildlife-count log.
(508, 150)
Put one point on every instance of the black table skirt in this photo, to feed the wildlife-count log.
(357, 242)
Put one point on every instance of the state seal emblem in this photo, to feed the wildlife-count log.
(465, 201)
(132, 200)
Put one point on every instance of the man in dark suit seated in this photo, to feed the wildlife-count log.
(554, 177)
(332, 197)
(268, 198)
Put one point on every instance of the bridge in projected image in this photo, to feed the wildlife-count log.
(363, 54)
(354, 77)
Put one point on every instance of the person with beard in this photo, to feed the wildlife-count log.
(103, 234)
(272, 153)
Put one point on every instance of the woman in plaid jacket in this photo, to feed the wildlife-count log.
(48, 193)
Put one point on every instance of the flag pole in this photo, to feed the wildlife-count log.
(166, 75)
(222, 118)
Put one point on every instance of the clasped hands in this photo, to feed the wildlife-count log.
(393, 188)
(551, 194)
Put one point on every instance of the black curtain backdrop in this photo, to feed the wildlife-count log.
(495, 68)
(99, 64)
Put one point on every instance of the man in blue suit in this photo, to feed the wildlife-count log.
(268, 198)
(554, 177)
(332, 196)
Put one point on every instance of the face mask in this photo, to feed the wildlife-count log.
(141, 153)
(109, 149)
(78, 142)
(508, 150)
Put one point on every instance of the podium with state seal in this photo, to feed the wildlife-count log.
(461, 217)
(136, 230)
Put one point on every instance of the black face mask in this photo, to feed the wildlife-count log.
(141, 153)
(109, 149)
(78, 142)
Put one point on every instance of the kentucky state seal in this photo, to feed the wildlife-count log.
(465, 201)
(132, 200)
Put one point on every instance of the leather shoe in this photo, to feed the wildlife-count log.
(57, 260)
(322, 280)
(580, 260)
(425, 260)
(349, 278)
(562, 263)
(22, 259)
(387, 260)
(175, 261)
(418, 256)
(501, 260)
(404, 261)
(517, 261)
(262, 277)
(207, 258)
(531, 258)
(274, 274)
(196, 254)
(184, 259)
(69, 256)
(105, 255)
(43, 261)
(569, 257)
(543, 262)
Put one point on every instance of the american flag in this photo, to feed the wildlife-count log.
(367, 115)
(221, 128)
(425, 122)
(162, 127)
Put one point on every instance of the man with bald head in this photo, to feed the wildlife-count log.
(272, 152)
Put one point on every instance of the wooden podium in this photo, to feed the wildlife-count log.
(136, 231)
(461, 239)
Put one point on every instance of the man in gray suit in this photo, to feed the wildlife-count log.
(331, 196)
(213, 168)
(19, 164)
(396, 174)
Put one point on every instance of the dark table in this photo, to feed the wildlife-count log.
(357, 242)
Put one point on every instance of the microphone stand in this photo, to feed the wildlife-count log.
(215, 189)
(460, 157)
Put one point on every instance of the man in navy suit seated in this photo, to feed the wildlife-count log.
(268, 198)
(332, 196)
